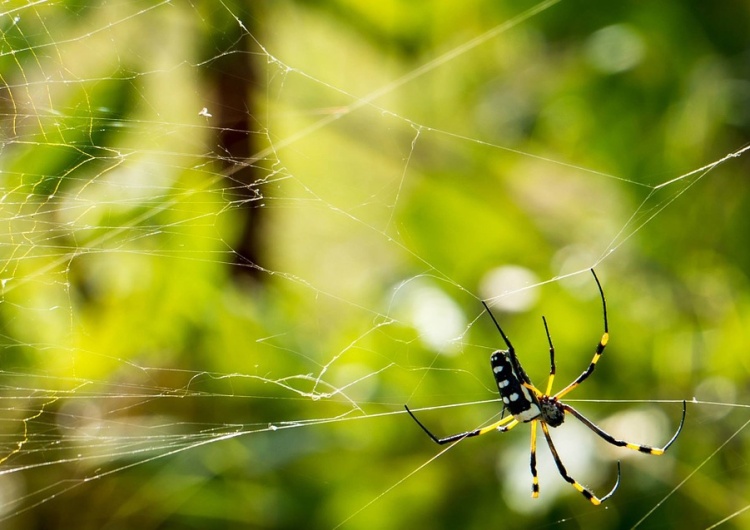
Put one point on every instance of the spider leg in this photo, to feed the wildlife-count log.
(534, 475)
(502, 333)
(564, 473)
(599, 347)
(658, 451)
(551, 359)
(523, 378)
(503, 425)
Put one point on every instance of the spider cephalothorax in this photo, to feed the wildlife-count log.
(553, 412)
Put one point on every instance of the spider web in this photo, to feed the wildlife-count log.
(238, 238)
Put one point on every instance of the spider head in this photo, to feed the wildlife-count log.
(552, 412)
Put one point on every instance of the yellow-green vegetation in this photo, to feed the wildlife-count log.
(237, 237)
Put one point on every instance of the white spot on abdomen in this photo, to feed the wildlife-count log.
(529, 414)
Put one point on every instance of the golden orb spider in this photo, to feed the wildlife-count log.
(526, 403)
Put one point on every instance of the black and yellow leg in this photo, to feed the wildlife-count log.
(552, 368)
(586, 373)
(503, 425)
(599, 347)
(658, 451)
(577, 485)
(534, 475)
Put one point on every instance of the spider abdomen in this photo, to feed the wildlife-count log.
(509, 376)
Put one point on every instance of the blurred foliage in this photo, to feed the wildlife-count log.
(154, 375)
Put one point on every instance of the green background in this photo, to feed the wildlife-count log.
(238, 236)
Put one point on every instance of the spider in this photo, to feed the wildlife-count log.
(526, 403)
